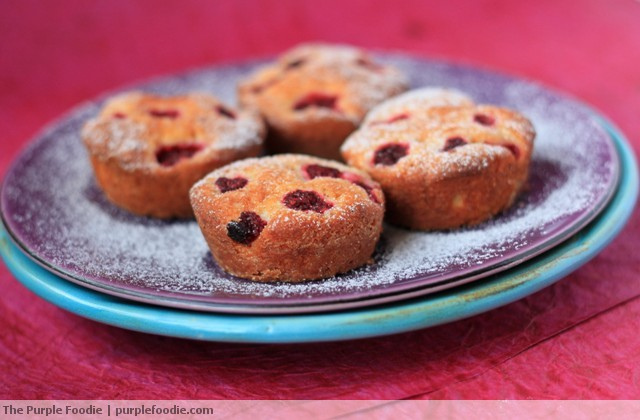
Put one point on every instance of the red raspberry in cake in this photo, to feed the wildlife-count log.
(164, 113)
(246, 229)
(314, 171)
(295, 217)
(170, 155)
(306, 200)
(453, 142)
(390, 154)
(147, 150)
(315, 95)
(230, 184)
(317, 100)
(484, 119)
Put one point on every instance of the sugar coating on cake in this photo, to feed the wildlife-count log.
(443, 161)
(148, 150)
(289, 217)
(400, 106)
(314, 95)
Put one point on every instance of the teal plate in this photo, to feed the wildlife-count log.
(407, 315)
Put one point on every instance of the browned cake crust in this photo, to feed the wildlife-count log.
(443, 167)
(315, 95)
(289, 217)
(147, 151)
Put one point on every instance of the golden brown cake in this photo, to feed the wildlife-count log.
(442, 167)
(289, 217)
(147, 150)
(315, 95)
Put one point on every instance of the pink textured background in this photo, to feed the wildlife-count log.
(576, 339)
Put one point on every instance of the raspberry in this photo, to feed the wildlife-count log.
(453, 142)
(247, 229)
(295, 64)
(257, 89)
(231, 184)
(165, 113)
(357, 180)
(484, 119)
(119, 115)
(398, 117)
(369, 189)
(170, 155)
(316, 99)
(368, 64)
(315, 171)
(390, 154)
(515, 150)
(306, 200)
(225, 112)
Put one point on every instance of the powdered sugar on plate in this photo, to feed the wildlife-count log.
(53, 208)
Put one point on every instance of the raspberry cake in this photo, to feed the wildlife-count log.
(147, 151)
(315, 95)
(442, 161)
(289, 217)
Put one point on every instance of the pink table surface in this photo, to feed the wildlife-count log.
(576, 339)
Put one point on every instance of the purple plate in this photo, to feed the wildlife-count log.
(54, 211)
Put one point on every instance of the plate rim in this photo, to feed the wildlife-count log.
(335, 303)
(447, 306)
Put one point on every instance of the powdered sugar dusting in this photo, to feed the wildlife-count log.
(52, 206)
(418, 98)
(132, 137)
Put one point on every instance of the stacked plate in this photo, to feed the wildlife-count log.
(64, 241)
